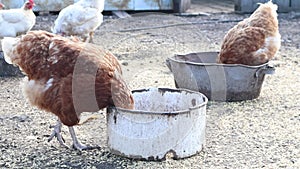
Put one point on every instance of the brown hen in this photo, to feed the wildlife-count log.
(254, 40)
(67, 77)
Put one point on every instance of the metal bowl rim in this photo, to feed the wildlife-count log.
(213, 64)
(171, 113)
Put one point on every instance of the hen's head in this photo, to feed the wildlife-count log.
(29, 5)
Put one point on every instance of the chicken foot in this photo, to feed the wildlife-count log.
(76, 144)
(57, 133)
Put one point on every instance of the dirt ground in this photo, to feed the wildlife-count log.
(261, 133)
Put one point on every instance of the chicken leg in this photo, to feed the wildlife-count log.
(76, 144)
(57, 133)
(89, 38)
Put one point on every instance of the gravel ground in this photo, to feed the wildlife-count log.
(261, 133)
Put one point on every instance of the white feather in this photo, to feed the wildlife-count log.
(274, 41)
(48, 84)
(8, 46)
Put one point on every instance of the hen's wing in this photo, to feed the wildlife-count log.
(83, 15)
(11, 16)
(75, 15)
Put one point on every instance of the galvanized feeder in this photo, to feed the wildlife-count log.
(219, 82)
(163, 121)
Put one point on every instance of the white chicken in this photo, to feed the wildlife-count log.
(80, 19)
(14, 22)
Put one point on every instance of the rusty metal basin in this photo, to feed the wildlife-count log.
(219, 82)
(163, 121)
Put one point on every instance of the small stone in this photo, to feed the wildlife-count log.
(125, 63)
(21, 118)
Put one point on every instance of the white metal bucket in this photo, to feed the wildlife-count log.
(163, 121)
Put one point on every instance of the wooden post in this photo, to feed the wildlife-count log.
(295, 4)
(243, 6)
(181, 6)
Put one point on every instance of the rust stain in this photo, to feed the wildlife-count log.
(121, 5)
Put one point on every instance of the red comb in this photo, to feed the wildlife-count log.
(31, 1)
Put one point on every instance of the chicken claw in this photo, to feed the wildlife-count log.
(77, 145)
(57, 133)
